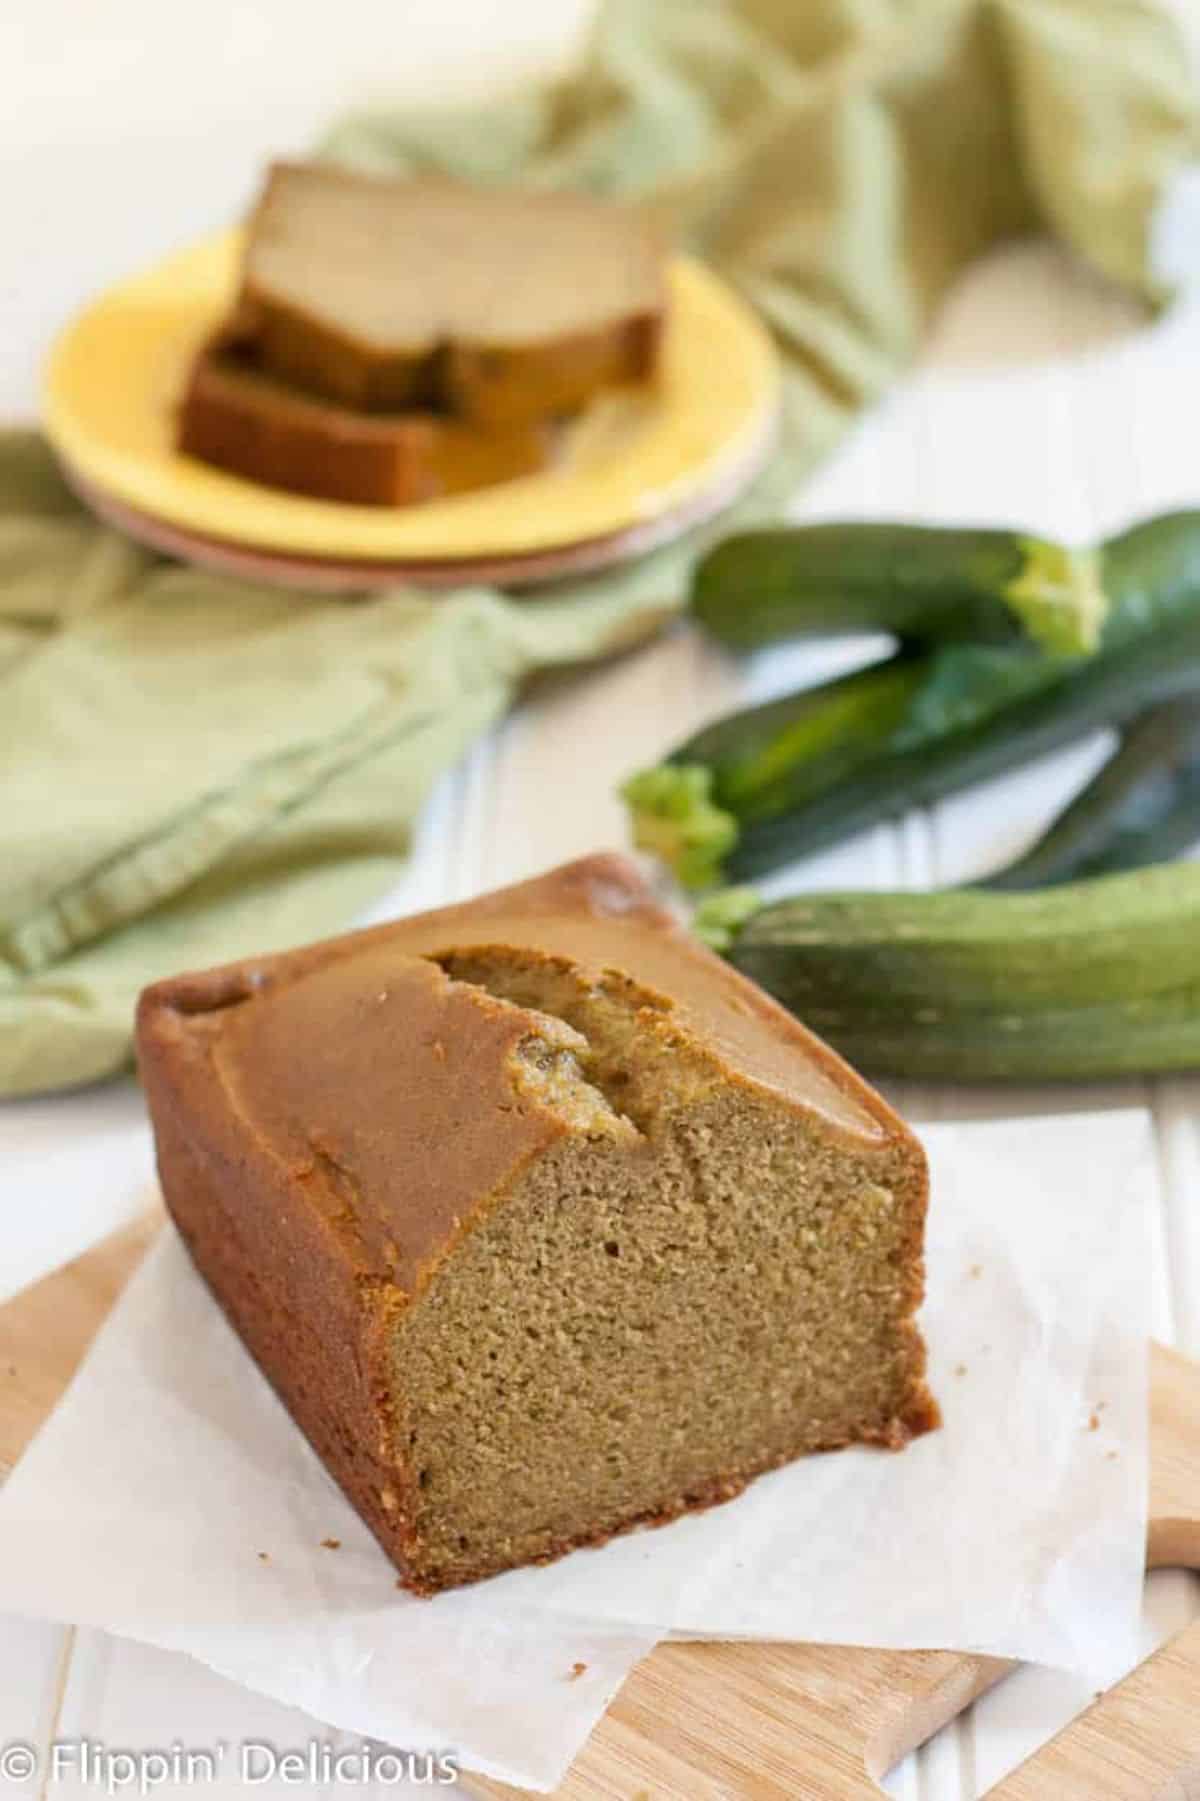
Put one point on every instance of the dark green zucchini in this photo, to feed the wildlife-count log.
(1104, 690)
(1151, 573)
(1097, 978)
(1142, 807)
(690, 812)
(777, 782)
(1138, 1037)
(919, 582)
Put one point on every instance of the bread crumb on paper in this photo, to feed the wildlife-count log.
(331, 1544)
(576, 1671)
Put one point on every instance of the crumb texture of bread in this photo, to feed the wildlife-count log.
(539, 1242)
(500, 306)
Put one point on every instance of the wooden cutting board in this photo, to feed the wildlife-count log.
(755, 1722)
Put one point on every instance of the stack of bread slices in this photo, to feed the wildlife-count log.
(397, 340)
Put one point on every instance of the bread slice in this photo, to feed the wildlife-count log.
(503, 307)
(254, 426)
(542, 1220)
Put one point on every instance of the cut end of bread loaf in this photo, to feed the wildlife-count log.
(690, 1288)
(533, 1243)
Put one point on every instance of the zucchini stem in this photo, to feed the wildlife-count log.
(720, 916)
(1059, 597)
(674, 816)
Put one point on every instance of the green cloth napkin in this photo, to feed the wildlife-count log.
(193, 768)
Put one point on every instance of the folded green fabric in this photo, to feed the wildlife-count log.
(193, 768)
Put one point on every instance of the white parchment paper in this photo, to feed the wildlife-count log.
(170, 1498)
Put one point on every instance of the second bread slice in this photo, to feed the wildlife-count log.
(245, 422)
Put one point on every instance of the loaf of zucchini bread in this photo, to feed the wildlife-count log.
(542, 1220)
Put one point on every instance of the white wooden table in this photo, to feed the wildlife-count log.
(1042, 400)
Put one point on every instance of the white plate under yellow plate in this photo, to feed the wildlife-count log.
(116, 373)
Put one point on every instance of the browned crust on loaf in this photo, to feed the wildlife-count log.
(252, 426)
(497, 387)
(334, 1384)
(585, 909)
(307, 1270)
(310, 356)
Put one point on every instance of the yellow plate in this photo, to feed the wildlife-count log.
(115, 375)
